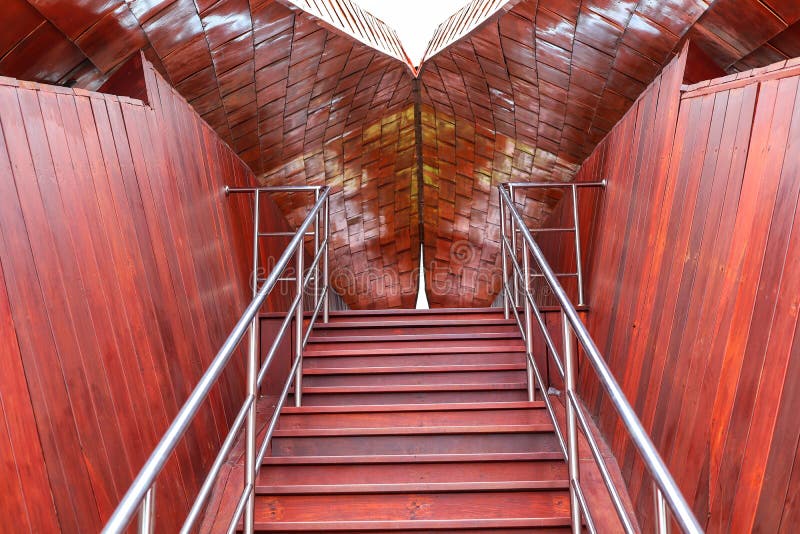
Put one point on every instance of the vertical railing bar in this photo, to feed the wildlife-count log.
(513, 229)
(147, 512)
(572, 435)
(578, 260)
(662, 520)
(584, 506)
(250, 432)
(317, 266)
(256, 217)
(503, 253)
(298, 382)
(325, 275)
(526, 266)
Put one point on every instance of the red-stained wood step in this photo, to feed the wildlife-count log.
(318, 361)
(443, 440)
(425, 510)
(413, 415)
(468, 344)
(431, 394)
(365, 379)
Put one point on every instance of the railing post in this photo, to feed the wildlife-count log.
(326, 304)
(250, 432)
(503, 252)
(147, 512)
(298, 332)
(526, 271)
(513, 229)
(256, 216)
(578, 260)
(662, 520)
(317, 266)
(572, 431)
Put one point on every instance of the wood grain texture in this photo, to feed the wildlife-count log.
(124, 266)
(692, 291)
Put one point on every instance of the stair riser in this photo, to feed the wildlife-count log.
(451, 472)
(414, 444)
(386, 379)
(389, 331)
(412, 360)
(417, 316)
(401, 397)
(416, 507)
(349, 348)
(414, 419)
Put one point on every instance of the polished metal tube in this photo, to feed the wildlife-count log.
(237, 514)
(572, 430)
(250, 431)
(655, 465)
(503, 255)
(526, 269)
(325, 274)
(546, 185)
(273, 189)
(513, 228)
(256, 217)
(662, 520)
(578, 260)
(147, 512)
(298, 332)
(317, 221)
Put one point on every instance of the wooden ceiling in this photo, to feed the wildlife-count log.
(525, 96)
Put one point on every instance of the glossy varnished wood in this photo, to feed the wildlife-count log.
(124, 267)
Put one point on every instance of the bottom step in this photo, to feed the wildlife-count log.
(413, 511)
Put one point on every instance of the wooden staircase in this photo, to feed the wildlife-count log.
(414, 421)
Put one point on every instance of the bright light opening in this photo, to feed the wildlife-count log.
(422, 297)
(415, 21)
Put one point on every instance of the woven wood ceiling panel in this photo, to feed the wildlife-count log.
(527, 95)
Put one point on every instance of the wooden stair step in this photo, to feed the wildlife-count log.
(367, 337)
(412, 415)
(369, 316)
(459, 440)
(439, 510)
(342, 396)
(436, 346)
(474, 473)
(498, 526)
(418, 487)
(415, 458)
(399, 369)
(366, 379)
(311, 361)
(432, 322)
(411, 430)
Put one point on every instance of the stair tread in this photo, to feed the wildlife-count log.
(320, 350)
(414, 458)
(412, 387)
(420, 487)
(512, 405)
(413, 430)
(414, 323)
(413, 369)
(414, 524)
(416, 338)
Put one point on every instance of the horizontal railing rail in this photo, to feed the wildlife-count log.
(516, 256)
(141, 494)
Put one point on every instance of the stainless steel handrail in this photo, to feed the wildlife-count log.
(140, 495)
(668, 496)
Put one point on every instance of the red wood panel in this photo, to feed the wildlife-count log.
(692, 292)
(124, 266)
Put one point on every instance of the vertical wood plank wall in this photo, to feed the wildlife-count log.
(694, 289)
(124, 267)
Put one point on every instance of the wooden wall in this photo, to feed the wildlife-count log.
(694, 288)
(124, 267)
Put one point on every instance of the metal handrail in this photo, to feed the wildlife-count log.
(668, 494)
(140, 495)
